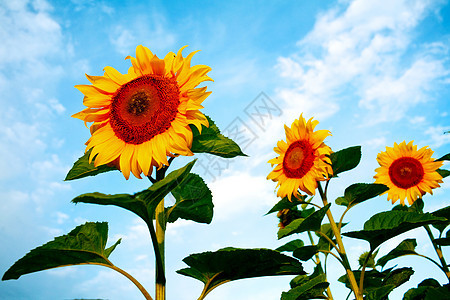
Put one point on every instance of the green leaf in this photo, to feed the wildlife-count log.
(213, 142)
(429, 289)
(310, 223)
(444, 213)
(345, 159)
(307, 288)
(143, 203)
(291, 246)
(379, 293)
(359, 192)
(193, 201)
(398, 276)
(228, 264)
(406, 247)
(443, 241)
(83, 245)
(82, 168)
(445, 157)
(443, 172)
(385, 225)
(305, 253)
(286, 204)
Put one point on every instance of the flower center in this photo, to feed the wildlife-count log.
(298, 160)
(406, 172)
(144, 108)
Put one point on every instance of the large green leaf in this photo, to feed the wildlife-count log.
(213, 142)
(445, 157)
(228, 264)
(83, 245)
(385, 225)
(307, 287)
(359, 192)
(82, 168)
(345, 159)
(306, 252)
(406, 247)
(443, 172)
(143, 203)
(193, 201)
(310, 223)
(291, 246)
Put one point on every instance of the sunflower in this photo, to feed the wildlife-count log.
(407, 172)
(141, 117)
(303, 159)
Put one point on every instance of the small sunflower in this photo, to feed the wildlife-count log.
(141, 117)
(303, 159)
(407, 172)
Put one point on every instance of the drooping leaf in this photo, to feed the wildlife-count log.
(443, 172)
(291, 246)
(429, 289)
(286, 204)
(398, 276)
(305, 253)
(359, 192)
(406, 247)
(213, 142)
(83, 245)
(379, 293)
(142, 203)
(307, 288)
(385, 225)
(310, 223)
(345, 159)
(193, 201)
(82, 168)
(228, 264)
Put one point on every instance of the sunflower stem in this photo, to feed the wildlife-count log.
(438, 252)
(160, 237)
(340, 249)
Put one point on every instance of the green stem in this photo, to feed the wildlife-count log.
(438, 252)
(340, 248)
(160, 237)
(363, 271)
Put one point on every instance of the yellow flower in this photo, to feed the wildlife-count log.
(303, 159)
(143, 116)
(407, 172)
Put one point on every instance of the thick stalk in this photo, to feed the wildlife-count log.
(340, 249)
(160, 282)
(438, 252)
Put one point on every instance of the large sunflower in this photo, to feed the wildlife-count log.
(303, 159)
(407, 172)
(143, 116)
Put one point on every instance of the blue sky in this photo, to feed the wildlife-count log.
(372, 72)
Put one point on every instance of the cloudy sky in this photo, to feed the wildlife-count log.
(372, 72)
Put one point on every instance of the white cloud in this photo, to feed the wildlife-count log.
(358, 51)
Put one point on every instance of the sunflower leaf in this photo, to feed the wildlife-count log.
(345, 159)
(306, 252)
(228, 264)
(142, 203)
(82, 168)
(444, 213)
(445, 157)
(291, 246)
(307, 287)
(83, 245)
(429, 289)
(193, 201)
(286, 204)
(443, 172)
(406, 247)
(360, 192)
(385, 225)
(310, 223)
(213, 142)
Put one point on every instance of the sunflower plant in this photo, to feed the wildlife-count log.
(141, 121)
